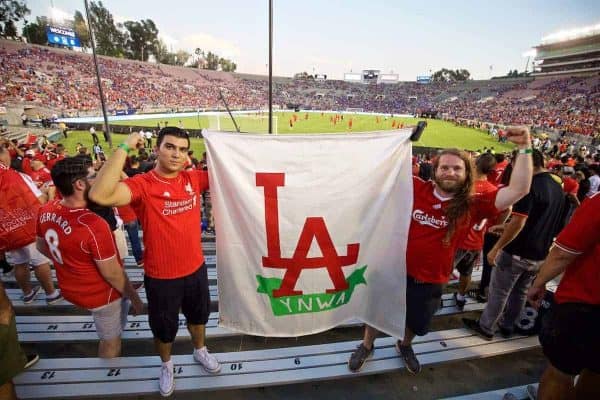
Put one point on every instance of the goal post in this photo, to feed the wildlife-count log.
(248, 123)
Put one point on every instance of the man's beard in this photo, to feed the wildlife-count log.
(86, 194)
(449, 186)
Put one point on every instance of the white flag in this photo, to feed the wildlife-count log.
(311, 230)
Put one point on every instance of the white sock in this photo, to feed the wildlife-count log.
(53, 294)
(459, 296)
(168, 364)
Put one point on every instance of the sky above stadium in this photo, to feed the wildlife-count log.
(333, 37)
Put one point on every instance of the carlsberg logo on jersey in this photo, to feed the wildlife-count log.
(312, 230)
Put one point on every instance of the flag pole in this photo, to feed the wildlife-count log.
(270, 66)
(93, 44)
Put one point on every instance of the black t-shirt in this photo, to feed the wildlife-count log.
(106, 213)
(544, 208)
(425, 171)
(133, 171)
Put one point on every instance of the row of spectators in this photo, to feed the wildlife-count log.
(65, 81)
(510, 277)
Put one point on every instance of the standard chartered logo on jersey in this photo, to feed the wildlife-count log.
(285, 299)
(173, 207)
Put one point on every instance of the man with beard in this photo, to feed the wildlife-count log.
(468, 252)
(167, 202)
(85, 256)
(106, 213)
(443, 212)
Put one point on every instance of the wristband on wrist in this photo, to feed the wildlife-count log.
(125, 147)
(526, 151)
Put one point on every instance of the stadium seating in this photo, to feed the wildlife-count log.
(81, 328)
(71, 377)
(37, 75)
(520, 392)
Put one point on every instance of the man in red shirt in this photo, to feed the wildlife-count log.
(443, 212)
(40, 175)
(59, 152)
(85, 256)
(570, 185)
(570, 331)
(495, 175)
(469, 251)
(167, 203)
(19, 205)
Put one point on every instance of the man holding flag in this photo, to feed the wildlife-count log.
(443, 212)
(167, 202)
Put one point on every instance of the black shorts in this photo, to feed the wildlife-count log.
(569, 337)
(422, 301)
(166, 296)
(464, 261)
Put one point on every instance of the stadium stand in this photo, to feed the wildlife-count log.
(577, 51)
(64, 81)
(51, 78)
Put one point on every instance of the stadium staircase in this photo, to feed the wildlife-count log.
(79, 373)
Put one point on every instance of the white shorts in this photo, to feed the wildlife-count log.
(121, 242)
(26, 255)
(111, 318)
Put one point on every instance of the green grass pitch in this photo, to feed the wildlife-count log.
(437, 134)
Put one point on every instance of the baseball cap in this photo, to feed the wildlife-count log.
(568, 170)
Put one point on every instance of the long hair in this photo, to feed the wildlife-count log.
(458, 207)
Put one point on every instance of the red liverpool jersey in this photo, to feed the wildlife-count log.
(169, 210)
(76, 238)
(495, 176)
(41, 176)
(474, 239)
(428, 258)
(19, 205)
(127, 214)
(581, 281)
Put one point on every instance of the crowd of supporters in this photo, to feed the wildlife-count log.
(65, 82)
(572, 171)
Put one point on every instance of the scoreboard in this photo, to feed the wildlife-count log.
(370, 75)
(62, 36)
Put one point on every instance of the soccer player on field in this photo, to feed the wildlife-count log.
(82, 247)
(167, 202)
(444, 210)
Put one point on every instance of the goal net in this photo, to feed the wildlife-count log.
(248, 123)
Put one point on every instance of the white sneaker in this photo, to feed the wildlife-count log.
(166, 383)
(207, 360)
